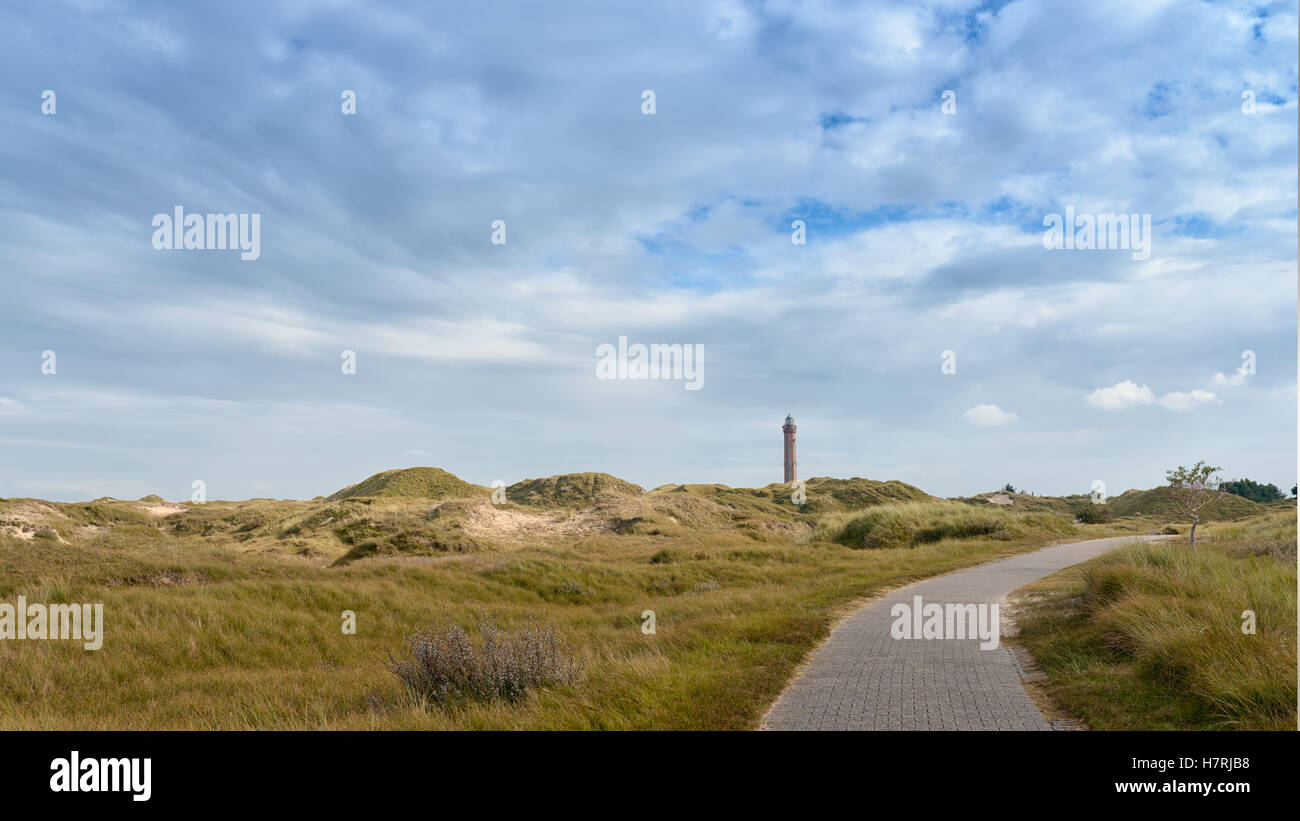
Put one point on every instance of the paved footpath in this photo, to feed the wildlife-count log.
(864, 679)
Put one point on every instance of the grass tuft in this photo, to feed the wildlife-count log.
(909, 524)
(1151, 636)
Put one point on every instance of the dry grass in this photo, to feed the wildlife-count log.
(907, 524)
(228, 615)
(1150, 636)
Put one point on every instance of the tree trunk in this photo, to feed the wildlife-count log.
(1195, 521)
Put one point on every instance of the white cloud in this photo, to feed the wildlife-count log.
(1237, 379)
(988, 416)
(1180, 401)
(1126, 394)
(1129, 394)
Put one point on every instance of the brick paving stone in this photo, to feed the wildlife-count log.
(864, 679)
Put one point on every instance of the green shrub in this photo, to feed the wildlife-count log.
(1091, 514)
(911, 523)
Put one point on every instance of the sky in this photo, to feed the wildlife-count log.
(924, 330)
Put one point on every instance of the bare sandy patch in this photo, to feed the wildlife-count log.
(27, 530)
(164, 509)
(512, 524)
(19, 530)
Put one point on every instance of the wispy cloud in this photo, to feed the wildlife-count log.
(1184, 401)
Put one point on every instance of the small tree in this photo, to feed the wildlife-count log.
(1192, 489)
(1010, 488)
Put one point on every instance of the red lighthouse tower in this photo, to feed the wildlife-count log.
(791, 472)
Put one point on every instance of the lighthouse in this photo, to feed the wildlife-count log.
(791, 473)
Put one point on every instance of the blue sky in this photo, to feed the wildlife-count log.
(924, 235)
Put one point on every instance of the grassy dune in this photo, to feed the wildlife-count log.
(228, 615)
(908, 524)
(569, 490)
(1160, 502)
(423, 483)
(1150, 637)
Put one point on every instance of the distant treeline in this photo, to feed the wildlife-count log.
(1252, 490)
